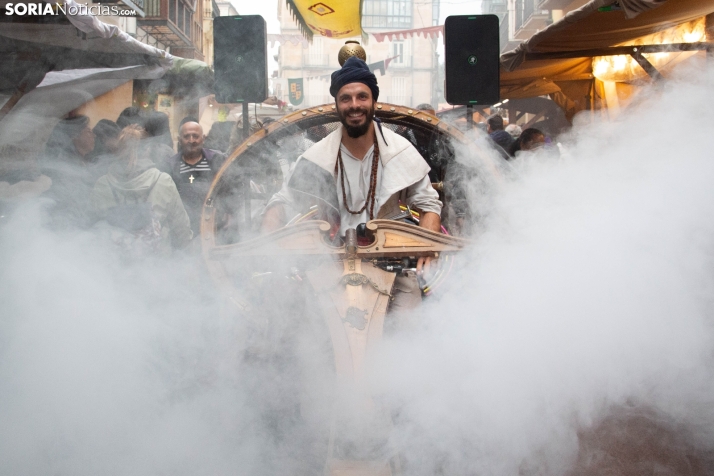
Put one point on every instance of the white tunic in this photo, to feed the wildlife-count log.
(357, 177)
(402, 176)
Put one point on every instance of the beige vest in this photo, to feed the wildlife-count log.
(402, 165)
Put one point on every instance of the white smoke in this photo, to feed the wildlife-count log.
(589, 286)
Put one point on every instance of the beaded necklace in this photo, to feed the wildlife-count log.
(372, 192)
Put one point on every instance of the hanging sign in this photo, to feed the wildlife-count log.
(295, 88)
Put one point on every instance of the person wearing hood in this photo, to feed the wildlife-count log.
(106, 146)
(134, 179)
(67, 162)
(158, 145)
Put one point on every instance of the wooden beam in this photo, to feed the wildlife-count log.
(647, 66)
(534, 120)
(621, 50)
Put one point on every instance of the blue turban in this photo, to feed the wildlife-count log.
(354, 71)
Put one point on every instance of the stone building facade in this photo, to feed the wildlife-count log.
(410, 77)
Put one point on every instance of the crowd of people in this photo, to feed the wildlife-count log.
(127, 174)
(509, 139)
(512, 139)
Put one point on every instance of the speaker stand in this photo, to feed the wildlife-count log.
(469, 117)
(246, 121)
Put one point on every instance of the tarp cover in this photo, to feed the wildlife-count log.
(31, 46)
(60, 92)
(70, 53)
(98, 37)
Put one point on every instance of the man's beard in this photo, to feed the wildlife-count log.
(356, 131)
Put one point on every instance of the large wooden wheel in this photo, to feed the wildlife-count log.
(255, 170)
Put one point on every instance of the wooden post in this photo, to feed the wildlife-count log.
(709, 31)
(10, 103)
(32, 78)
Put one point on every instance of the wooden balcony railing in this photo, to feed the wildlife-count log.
(173, 23)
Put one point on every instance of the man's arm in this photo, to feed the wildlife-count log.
(422, 196)
(430, 221)
(273, 218)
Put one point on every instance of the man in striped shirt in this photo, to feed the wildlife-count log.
(193, 170)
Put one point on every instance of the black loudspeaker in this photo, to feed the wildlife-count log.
(240, 59)
(471, 55)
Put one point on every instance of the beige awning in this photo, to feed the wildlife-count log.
(523, 74)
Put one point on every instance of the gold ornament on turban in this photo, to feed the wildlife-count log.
(351, 48)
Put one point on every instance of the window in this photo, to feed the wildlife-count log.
(399, 90)
(180, 16)
(315, 55)
(398, 51)
(317, 93)
(402, 52)
(387, 13)
(187, 24)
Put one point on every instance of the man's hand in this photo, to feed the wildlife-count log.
(423, 268)
(430, 221)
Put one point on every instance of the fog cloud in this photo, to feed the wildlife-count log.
(590, 285)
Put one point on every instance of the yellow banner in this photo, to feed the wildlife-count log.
(329, 18)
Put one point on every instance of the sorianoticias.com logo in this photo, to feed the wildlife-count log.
(42, 9)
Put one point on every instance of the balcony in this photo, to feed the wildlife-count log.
(497, 7)
(135, 5)
(530, 18)
(399, 100)
(169, 21)
(554, 4)
(506, 43)
(503, 34)
(315, 60)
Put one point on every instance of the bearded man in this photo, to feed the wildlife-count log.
(361, 171)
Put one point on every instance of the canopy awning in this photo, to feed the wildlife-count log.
(530, 70)
(53, 64)
(30, 46)
(55, 53)
(36, 112)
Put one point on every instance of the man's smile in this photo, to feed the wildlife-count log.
(356, 115)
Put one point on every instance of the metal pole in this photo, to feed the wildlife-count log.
(469, 117)
(247, 193)
(247, 196)
(246, 121)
